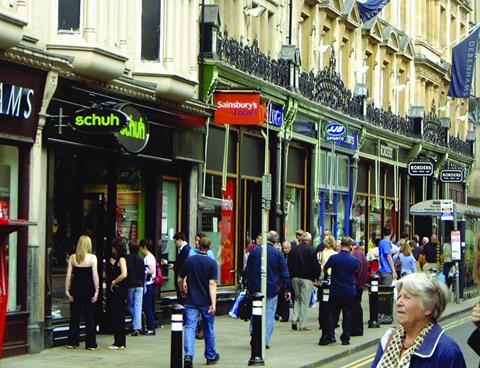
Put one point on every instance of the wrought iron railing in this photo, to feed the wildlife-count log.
(327, 88)
(251, 60)
(463, 147)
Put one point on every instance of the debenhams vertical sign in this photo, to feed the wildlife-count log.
(15, 101)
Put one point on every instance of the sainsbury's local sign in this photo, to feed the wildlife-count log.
(238, 108)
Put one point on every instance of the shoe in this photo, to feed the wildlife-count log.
(115, 347)
(93, 349)
(304, 329)
(267, 346)
(214, 360)
(135, 333)
(187, 362)
(345, 342)
(71, 347)
(294, 326)
(148, 333)
(324, 342)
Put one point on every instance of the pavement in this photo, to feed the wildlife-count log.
(292, 349)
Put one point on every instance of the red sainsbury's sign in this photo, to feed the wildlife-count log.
(240, 108)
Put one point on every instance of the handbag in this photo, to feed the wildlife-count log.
(245, 307)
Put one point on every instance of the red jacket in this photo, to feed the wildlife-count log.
(361, 276)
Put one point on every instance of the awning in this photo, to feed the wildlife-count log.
(432, 207)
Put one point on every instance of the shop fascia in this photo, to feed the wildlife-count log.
(15, 101)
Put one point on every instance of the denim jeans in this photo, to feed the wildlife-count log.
(271, 308)
(148, 306)
(135, 297)
(192, 314)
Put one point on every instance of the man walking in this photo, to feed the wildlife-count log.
(200, 273)
(343, 267)
(430, 252)
(304, 269)
(387, 269)
(277, 277)
(183, 251)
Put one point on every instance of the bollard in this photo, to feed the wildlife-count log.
(373, 302)
(323, 306)
(176, 344)
(256, 339)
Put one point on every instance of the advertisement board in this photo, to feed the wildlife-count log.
(238, 108)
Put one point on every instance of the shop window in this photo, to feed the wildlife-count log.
(151, 29)
(69, 15)
(293, 221)
(170, 205)
(360, 216)
(375, 218)
(218, 224)
(9, 166)
(340, 230)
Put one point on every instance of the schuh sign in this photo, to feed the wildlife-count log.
(99, 120)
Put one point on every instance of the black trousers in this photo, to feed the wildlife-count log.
(357, 315)
(335, 306)
(119, 307)
(82, 304)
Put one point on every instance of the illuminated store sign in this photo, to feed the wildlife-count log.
(134, 137)
(15, 101)
(240, 108)
(99, 121)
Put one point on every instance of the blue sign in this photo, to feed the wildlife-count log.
(463, 66)
(351, 142)
(275, 115)
(370, 8)
(334, 132)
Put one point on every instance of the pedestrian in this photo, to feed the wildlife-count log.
(183, 249)
(148, 303)
(387, 268)
(304, 270)
(298, 238)
(327, 250)
(407, 260)
(373, 258)
(81, 288)
(119, 291)
(195, 251)
(277, 278)
(361, 278)
(258, 242)
(447, 261)
(286, 249)
(197, 282)
(342, 293)
(419, 340)
(430, 251)
(135, 284)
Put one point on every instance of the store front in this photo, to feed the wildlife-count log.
(21, 92)
(126, 181)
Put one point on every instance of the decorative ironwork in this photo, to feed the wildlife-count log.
(386, 119)
(463, 147)
(251, 60)
(433, 131)
(327, 88)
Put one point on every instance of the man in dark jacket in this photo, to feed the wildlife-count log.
(342, 292)
(360, 280)
(183, 251)
(277, 276)
(304, 270)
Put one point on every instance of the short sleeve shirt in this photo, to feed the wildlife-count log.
(150, 263)
(199, 270)
(385, 248)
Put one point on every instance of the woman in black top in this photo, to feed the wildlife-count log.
(118, 287)
(81, 288)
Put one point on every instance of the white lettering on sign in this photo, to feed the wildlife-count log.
(15, 101)
(386, 151)
(237, 105)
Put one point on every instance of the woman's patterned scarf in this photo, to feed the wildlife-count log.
(393, 357)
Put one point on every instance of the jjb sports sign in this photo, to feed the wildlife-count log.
(333, 131)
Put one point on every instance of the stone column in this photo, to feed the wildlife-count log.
(36, 260)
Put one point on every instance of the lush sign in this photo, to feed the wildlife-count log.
(99, 120)
(334, 131)
(15, 101)
(134, 137)
(420, 169)
(240, 108)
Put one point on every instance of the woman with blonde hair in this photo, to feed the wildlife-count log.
(81, 288)
(329, 244)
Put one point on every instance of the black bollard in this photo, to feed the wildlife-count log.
(373, 301)
(256, 339)
(323, 306)
(176, 344)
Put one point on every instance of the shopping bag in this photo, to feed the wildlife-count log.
(394, 284)
(313, 298)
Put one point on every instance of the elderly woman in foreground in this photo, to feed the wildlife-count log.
(419, 341)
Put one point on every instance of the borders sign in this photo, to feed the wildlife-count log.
(451, 176)
(420, 168)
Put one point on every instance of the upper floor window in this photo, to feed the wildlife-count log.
(69, 15)
(151, 29)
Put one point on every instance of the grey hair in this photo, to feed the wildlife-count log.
(431, 293)
(272, 236)
(307, 236)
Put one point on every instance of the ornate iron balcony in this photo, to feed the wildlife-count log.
(433, 131)
(386, 119)
(251, 60)
(463, 147)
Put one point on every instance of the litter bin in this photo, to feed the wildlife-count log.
(385, 304)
